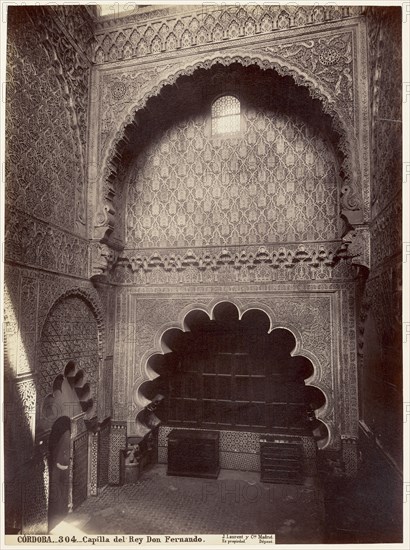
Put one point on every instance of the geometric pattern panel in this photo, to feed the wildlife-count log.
(118, 441)
(47, 92)
(240, 441)
(162, 455)
(240, 461)
(231, 441)
(140, 35)
(103, 455)
(275, 182)
(70, 333)
(94, 458)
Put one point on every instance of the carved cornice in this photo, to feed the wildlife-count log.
(250, 264)
(313, 254)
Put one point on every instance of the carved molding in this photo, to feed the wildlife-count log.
(318, 261)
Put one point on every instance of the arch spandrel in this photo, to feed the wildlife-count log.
(125, 93)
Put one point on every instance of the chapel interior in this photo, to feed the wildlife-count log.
(202, 276)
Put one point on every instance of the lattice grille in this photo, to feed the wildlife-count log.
(226, 115)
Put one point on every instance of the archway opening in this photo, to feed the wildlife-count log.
(227, 373)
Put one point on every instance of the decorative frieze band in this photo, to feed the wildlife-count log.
(129, 37)
(33, 242)
(233, 264)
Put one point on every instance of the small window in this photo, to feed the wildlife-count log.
(226, 115)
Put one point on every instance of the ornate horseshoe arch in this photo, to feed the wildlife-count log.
(325, 414)
(91, 301)
(109, 155)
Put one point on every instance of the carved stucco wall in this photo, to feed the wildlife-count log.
(69, 334)
(29, 297)
(323, 61)
(380, 330)
(321, 316)
(46, 250)
(172, 28)
(331, 63)
(29, 300)
(47, 111)
(275, 181)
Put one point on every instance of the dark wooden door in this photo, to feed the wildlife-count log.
(59, 471)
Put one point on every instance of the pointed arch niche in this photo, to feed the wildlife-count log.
(230, 371)
(189, 92)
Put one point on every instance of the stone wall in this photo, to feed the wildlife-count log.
(381, 370)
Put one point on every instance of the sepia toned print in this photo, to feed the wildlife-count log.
(203, 274)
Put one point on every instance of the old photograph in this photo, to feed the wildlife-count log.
(202, 278)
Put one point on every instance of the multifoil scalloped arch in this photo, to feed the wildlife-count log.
(91, 300)
(325, 414)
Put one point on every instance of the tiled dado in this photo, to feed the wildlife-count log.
(240, 450)
(118, 441)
